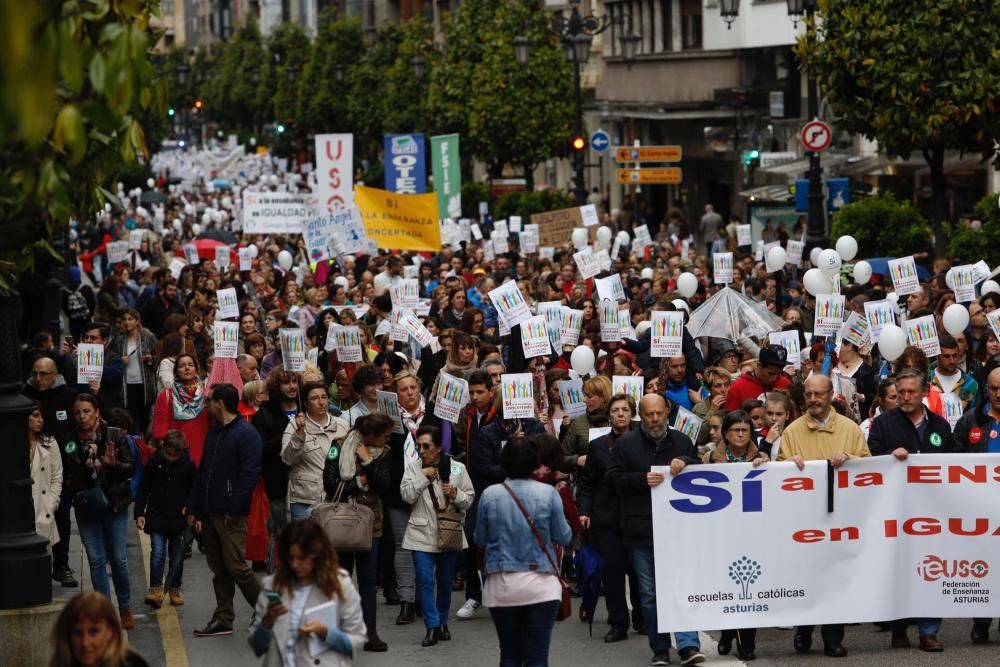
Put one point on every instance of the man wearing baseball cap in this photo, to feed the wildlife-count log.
(766, 377)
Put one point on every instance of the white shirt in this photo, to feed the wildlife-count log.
(133, 370)
(516, 589)
(948, 382)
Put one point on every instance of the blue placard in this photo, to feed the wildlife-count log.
(405, 164)
(802, 195)
(838, 193)
(600, 141)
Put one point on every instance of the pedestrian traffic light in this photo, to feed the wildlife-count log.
(281, 128)
(578, 144)
(170, 111)
(751, 158)
(198, 104)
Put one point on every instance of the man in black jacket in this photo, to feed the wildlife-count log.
(910, 428)
(55, 400)
(220, 503)
(654, 443)
(600, 511)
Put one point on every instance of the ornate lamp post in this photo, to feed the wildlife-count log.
(576, 34)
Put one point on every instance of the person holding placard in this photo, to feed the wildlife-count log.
(576, 439)
(309, 612)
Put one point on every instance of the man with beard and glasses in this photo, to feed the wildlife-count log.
(821, 435)
(654, 443)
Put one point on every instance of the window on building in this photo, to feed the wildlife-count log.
(167, 7)
(691, 24)
(652, 20)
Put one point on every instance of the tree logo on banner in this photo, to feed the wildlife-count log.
(744, 572)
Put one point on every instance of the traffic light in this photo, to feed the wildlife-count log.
(578, 144)
(751, 158)
(198, 104)
(281, 128)
(170, 111)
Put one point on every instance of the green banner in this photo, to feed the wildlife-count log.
(447, 171)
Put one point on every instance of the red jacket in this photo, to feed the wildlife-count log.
(194, 430)
(747, 387)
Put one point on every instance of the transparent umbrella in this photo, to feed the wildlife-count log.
(729, 314)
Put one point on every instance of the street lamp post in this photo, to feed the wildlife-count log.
(816, 229)
(576, 34)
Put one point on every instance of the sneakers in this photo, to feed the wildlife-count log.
(660, 659)
(128, 621)
(691, 656)
(176, 599)
(154, 598)
(468, 610)
(65, 578)
(213, 629)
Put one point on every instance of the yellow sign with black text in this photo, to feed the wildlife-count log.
(399, 222)
(650, 176)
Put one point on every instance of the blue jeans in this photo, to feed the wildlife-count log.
(104, 541)
(645, 572)
(300, 511)
(928, 626)
(524, 633)
(160, 546)
(435, 607)
(367, 562)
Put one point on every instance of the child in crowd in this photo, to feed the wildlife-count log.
(161, 511)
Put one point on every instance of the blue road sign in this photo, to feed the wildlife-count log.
(600, 141)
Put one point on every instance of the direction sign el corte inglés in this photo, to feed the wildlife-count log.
(816, 136)
(648, 154)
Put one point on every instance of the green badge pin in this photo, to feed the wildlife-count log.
(456, 470)
(71, 447)
(936, 439)
(333, 453)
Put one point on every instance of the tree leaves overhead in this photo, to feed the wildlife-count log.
(913, 74)
(77, 78)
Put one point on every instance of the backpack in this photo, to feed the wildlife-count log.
(76, 306)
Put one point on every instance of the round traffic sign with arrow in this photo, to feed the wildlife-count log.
(816, 136)
(600, 141)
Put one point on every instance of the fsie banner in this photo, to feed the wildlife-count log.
(405, 164)
(876, 538)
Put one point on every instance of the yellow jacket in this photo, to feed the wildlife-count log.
(806, 438)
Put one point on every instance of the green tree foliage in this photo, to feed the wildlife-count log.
(338, 44)
(234, 96)
(527, 202)
(76, 78)
(290, 51)
(507, 114)
(917, 75)
(968, 245)
(883, 227)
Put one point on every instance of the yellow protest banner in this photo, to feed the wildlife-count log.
(399, 222)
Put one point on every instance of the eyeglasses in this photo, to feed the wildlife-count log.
(735, 429)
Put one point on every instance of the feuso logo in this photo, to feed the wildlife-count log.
(935, 568)
(404, 145)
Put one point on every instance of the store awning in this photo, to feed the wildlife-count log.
(767, 193)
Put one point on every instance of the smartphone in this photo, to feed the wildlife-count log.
(273, 596)
(68, 340)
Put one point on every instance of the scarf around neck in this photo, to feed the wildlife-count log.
(187, 400)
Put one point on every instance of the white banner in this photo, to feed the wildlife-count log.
(335, 171)
(902, 539)
(276, 212)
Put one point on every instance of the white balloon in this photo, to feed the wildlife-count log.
(107, 208)
(604, 233)
(829, 262)
(976, 225)
(949, 278)
(814, 255)
(254, 251)
(582, 360)
(189, 209)
(623, 238)
(776, 258)
(891, 342)
(285, 260)
(342, 281)
(647, 273)
(955, 319)
(227, 202)
(206, 218)
(150, 183)
(847, 248)
(816, 282)
(177, 225)
(990, 286)
(274, 179)
(579, 237)
(687, 284)
(216, 217)
(862, 272)
(196, 229)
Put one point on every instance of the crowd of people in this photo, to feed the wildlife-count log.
(239, 455)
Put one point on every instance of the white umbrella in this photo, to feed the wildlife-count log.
(729, 314)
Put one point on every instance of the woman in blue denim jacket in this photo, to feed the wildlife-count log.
(522, 590)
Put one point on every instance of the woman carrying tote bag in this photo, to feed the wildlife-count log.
(439, 490)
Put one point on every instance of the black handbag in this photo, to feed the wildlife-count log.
(91, 503)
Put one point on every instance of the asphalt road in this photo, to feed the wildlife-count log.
(165, 638)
